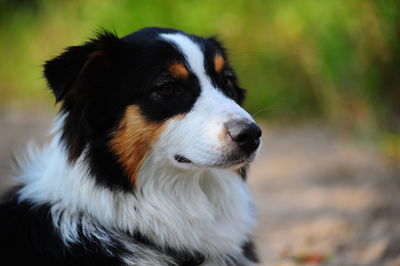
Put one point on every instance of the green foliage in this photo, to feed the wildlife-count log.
(335, 60)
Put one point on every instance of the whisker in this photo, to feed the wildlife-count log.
(261, 110)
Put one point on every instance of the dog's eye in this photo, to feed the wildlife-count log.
(165, 90)
(229, 82)
(229, 79)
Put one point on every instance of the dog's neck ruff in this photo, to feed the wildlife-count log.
(206, 211)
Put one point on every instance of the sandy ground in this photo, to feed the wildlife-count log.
(321, 199)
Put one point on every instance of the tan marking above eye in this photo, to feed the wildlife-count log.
(178, 71)
(133, 139)
(219, 63)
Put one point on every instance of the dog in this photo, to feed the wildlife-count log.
(147, 161)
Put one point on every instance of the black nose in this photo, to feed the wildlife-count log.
(245, 134)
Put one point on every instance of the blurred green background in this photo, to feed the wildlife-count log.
(336, 61)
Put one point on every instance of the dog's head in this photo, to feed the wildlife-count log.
(156, 91)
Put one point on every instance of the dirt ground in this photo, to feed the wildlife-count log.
(321, 198)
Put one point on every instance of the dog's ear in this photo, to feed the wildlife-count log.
(65, 71)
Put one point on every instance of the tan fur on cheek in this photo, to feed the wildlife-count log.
(222, 136)
(133, 140)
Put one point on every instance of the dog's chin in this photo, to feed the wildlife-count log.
(224, 163)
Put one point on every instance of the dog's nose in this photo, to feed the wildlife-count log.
(246, 134)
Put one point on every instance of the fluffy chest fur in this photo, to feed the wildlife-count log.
(208, 211)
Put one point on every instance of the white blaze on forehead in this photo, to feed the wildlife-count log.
(200, 134)
(193, 55)
(212, 102)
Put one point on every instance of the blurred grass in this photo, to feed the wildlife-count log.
(338, 61)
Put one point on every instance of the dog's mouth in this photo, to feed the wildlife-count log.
(222, 164)
(182, 159)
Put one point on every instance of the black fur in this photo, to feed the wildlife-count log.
(249, 250)
(29, 238)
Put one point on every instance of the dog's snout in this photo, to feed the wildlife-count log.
(246, 134)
